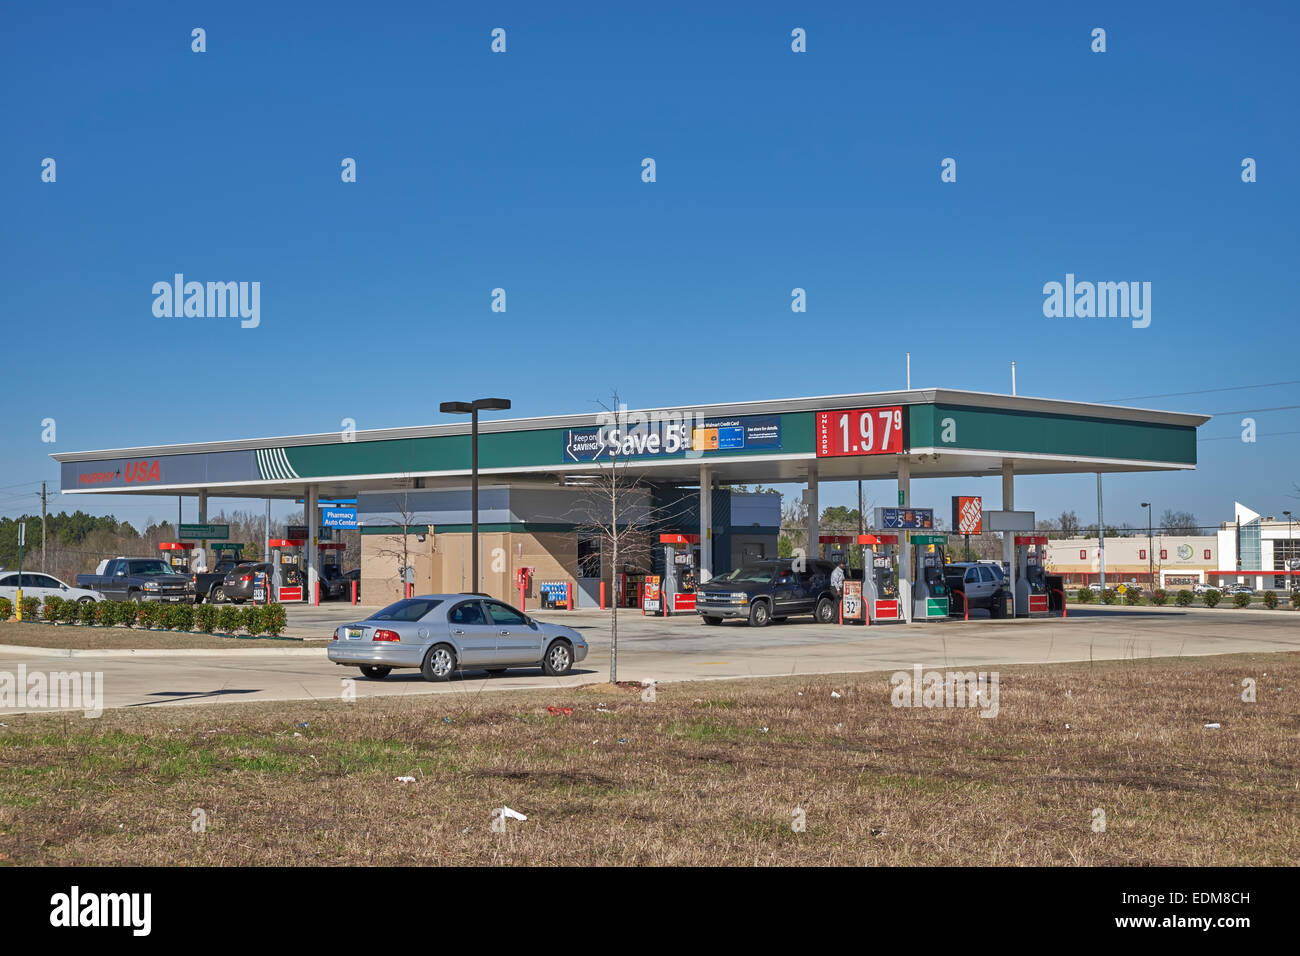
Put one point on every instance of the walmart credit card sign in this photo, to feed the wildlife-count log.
(669, 436)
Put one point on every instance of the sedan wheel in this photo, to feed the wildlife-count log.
(374, 672)
(558, 660)
(218, 595)
(438, 663)
(86, 600)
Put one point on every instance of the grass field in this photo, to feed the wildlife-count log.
(709, 773)
(84, 637)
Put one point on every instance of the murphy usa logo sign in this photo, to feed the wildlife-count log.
(132, 471)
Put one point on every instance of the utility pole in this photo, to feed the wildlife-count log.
(43, 503)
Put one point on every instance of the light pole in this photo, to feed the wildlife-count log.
(472, 409)
(1287, 561)
(1151, 557)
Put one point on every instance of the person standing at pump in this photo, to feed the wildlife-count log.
(837, 580)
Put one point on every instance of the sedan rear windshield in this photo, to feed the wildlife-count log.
(412, 609)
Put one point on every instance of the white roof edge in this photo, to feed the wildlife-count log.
(916, 396)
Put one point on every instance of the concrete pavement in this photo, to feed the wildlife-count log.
(683, 649)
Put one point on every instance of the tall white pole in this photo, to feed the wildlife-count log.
(1013, 378)
(1101, 537)
(909, 371)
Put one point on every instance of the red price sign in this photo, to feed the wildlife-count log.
(860, 431)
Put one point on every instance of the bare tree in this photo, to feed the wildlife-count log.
(618, 509)
(1178, 522)
(407, 517)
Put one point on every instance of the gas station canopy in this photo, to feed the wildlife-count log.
(941, 433)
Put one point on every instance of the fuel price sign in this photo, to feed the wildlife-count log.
(860, 431)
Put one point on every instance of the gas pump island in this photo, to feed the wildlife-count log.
(880, 576)
(1031, 578)
(930, 591)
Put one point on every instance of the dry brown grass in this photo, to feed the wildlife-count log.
(83, 637)
(688, 779)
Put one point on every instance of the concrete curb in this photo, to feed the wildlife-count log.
(18, 650)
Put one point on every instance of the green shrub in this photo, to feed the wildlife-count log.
(228, 619)
(1241, 599)
(250, 619)
(30, 604)
(275, 619)
(1109, 596)
(1132, 596)
(50, 609)
(1159, 597)
(205, 618)
(1295, 599)
(105, 613)
(1185, 598)
(68, 611)
(1211, 598)
(146, 614)
(86, 612)
(1085, 595)
(1270, 600)
(6, 609)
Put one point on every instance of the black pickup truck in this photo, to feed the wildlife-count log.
(769, 591)
(140, 579)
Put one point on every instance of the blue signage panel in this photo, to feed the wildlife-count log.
(671, 437)
(905, 518)
(338, 518)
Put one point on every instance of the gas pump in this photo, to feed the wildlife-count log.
(1031, 579)
(834, 547)
(880, 576)
(930, 595)
(330, 564)
(286, 569)
(681, 558)
(177, 554)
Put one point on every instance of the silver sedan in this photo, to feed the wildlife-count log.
(444, 633)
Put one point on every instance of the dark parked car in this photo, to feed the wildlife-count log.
(983, 583)
(209, 585)
(769, 591)
(333, 583)
(353, 575)
(238, 583)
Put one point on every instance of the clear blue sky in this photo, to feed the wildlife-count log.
(775, 170)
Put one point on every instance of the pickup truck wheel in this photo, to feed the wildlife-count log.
(135, 597)
(825, 611)
(760, 615)
(709, 619)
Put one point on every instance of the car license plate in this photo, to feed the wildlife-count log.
(354, 634)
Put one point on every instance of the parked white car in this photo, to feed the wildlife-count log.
(41, 586)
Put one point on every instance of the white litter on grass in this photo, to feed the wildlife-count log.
(296, 734)
(1067, 726)
(512, 814)
(762, 730)
(1211, 726)
(404, 779)
(836, 693)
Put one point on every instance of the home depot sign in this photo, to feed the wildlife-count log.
(967, 514)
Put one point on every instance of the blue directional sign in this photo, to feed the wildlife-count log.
(338, 518)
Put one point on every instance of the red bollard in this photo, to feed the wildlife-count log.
(602, 595)
(315, 598)
(568, 596)
(354, 592)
